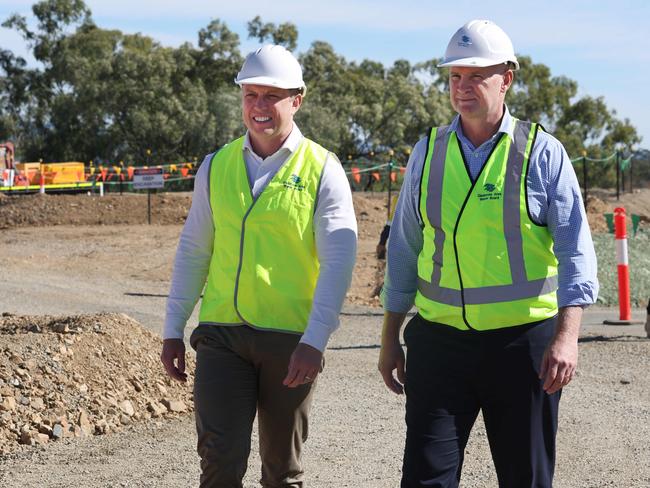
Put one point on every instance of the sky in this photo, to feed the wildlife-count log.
(603, 45)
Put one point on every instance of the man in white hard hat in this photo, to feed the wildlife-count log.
(491, 242)
(272, 235)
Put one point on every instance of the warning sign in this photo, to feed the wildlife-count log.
(148, 178)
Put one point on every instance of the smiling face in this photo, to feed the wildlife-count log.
(268, 115)
(479, 93)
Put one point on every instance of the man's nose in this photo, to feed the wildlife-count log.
(261, 102)
(463, 84)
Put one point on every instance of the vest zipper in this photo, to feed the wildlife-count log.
(241, 254)
(243, 227)
(460, 214)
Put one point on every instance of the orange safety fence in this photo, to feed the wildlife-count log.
(356, 174)
(26, 174)
(121, 173)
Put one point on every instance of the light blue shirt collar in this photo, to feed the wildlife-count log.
(507, 126)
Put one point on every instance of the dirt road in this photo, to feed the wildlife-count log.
(357, 433)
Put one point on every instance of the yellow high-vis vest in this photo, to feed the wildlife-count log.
(485, 264)
(264, 263)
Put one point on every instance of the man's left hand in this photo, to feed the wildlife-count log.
(304, 365)
(559, 364)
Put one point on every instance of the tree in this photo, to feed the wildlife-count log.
(325, 115)
(102, 95)
(218, 58)
(13, 93)
(107, 96)
(55, 18)
(393, 109)
(535, 95)
(284, 34)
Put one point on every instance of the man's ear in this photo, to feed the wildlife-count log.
(508, 78)
(297, 102)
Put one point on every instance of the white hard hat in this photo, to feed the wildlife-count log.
(479, 43)
(271, 65)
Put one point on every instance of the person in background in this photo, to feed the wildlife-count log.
(385, 232)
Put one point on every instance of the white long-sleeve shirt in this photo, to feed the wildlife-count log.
(335, 230)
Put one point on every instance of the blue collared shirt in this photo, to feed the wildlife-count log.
(554, 200)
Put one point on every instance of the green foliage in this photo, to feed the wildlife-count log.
(284, 34)
(535, 95)
(583, 125)
(640, 169)
(103, 95)
(54, 19)
(218, 59)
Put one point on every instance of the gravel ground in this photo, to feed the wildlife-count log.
(357, 432)
(639, 268)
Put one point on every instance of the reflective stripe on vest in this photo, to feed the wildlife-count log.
(531, 298)
(264, 265)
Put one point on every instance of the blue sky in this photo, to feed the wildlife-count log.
(603, 45)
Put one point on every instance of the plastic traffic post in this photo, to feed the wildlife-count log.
(621, 261)
(625, 311)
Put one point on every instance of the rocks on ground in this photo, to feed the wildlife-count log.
(79, 376)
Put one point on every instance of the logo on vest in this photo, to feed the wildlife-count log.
(294, 182)
(491, 193)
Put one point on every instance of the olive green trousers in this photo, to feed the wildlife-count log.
(239, 371)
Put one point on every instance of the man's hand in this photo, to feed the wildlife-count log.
(304, 365)
(381, 251)
(561, 356)
(173, 359)
(391, 355)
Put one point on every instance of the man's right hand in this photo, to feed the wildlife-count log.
(173, 359)
(381, 251)
(391, 355)
(392, 358)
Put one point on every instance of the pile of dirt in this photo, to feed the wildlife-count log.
(368, 275)
(44, 210)
(601, 202)
(172, 208)
(81, 375)
(131, 209)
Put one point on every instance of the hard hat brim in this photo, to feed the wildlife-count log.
(476, 62)
(266, 81)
